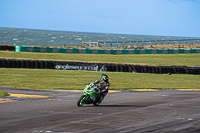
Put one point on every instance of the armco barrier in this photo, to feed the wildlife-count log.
(104, 51)
(66, 65)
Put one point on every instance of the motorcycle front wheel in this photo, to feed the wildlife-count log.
(81, 101)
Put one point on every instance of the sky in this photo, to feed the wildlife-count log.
(138, 17)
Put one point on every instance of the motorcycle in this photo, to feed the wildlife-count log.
(90, 96)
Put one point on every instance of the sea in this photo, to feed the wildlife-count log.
(19, 36)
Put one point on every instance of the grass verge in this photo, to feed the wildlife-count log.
(3, 93)
(76, 79)
(147, 59)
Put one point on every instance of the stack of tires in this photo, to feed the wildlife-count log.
(153, 69)
(7, 48)
(41, 64)
(34, 64)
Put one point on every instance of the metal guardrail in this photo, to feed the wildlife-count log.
(140, 43)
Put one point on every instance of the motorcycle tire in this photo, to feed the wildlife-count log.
(97, 102)
(81, 101)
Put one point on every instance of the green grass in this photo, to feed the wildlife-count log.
(148, 59)
(76, 79)
(3, 93)
(67, 79)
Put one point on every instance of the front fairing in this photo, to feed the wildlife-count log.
(90, 91)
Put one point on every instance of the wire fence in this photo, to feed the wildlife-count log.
(116, 44)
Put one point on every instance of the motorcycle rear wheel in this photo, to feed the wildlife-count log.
(81, 101)
(97, 102)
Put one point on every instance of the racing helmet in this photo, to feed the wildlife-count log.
(104, 77)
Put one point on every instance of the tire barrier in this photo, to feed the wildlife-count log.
(64, 65)
(2, 63)
(26, 64)
(5, 48)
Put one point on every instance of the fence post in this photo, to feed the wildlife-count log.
(117, 44)
(130, 43)
(179, 44)
(137, 43)
(104, 44)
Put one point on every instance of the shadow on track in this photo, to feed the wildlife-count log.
(121, 106)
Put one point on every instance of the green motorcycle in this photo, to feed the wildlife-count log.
(90, 96)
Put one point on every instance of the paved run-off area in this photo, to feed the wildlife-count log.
(121, 111)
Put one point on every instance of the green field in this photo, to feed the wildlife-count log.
(148, 59)
(76, 79)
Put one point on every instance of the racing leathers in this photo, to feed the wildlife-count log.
(103, 86)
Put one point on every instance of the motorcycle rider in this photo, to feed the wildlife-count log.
(103, 86)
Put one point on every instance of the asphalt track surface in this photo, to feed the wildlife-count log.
(127, 111)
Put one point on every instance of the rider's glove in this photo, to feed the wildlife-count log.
(102, 91)
(98, 90)
(91, 85)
